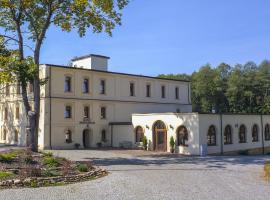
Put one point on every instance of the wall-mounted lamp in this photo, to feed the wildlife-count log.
(171, 127)
(147, 126)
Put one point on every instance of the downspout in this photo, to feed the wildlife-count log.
(221, 135)
(262, 134)
(189, 98)
(50, 97)
(111, 135)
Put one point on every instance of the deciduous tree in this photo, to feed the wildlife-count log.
(29, 20)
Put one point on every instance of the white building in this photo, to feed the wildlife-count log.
(87, 105)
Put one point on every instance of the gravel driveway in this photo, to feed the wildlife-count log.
(141, 175)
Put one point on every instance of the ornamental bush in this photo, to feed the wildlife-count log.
(83, 168)
(50, 162)
(172, 143)
(144, 141)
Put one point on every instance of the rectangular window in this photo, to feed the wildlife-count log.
(102, 87)
(67, 84)
(68, 112)
(31, 87)
(7, 90)
(85, 87)
(163, 90)
(4, 134)
(6, 113)
(103, 112)
(18, 89)
(17, 112)
(86, 112)
(131, 89)
(148, 90)
(176, 93)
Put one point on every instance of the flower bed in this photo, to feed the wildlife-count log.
(23, 168)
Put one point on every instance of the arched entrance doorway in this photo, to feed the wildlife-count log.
(86, 138)
(159, 136)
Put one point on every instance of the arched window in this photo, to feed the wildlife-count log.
(255, 134)
(182, 136)
(211, 136)
(68, 136)
(267, 132)
(242, 134)
(16, 135)
(139, 134)
(159, 125)
(228, 135)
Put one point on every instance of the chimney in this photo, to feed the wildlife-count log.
(91, 61)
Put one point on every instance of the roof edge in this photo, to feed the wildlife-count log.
(120, 73)
(88, 56)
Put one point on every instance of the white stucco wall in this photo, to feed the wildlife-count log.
(172, 122)
(235, 121)
(92, 62)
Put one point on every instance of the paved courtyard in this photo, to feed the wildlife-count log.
(147, 175)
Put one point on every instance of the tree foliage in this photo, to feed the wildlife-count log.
(238, 89)
(25, 24)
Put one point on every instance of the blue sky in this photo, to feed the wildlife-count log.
(173, 36)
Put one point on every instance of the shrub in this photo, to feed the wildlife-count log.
(34, 184)
(4, 174)
(51, 172)
(83, 168)
(144, 141)
(172, 143)
(50, 162)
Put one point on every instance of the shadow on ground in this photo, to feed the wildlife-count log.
(214, 162)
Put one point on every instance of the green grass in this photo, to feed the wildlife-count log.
(4, 174)
(8, 157)
(267, 170)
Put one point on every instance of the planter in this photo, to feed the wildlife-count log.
(172, 150)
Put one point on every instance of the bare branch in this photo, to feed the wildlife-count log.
(9, 38)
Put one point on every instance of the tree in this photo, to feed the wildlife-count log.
(24, 20)
(204, 89)
(239, 89)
